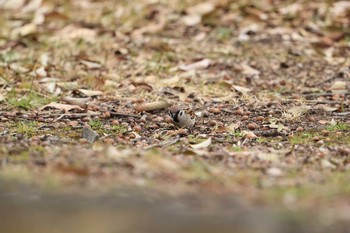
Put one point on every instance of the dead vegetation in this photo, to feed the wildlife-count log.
(86, 86)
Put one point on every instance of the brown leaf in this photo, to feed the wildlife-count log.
(75, 101)
(152, 106)
(64, 107)
(90, 93)
(202, 64)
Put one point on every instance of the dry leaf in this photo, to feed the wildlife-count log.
(241, 89)
(201, 8)
(338, 86)
(249, 134)
(91, 64)
(274, 171)
(191, 20)
(75, 101)
(201, 145)
(71, 32)
(24, 30)
(90, 93)
(64, 107)
(152, 106)
(11, 4)
(197, 65)
(248, 70)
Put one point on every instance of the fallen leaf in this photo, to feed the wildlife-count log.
(201, 8)
(241, 89)
(90, 93)
(248, 70)
(201, 145)
(64, 107)
(75, 101)
(338, 86)
(274, 171)
(91, 64)
(249, 134)
(152, 106)
(196, 65)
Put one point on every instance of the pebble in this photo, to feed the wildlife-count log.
(158, 119)
(108, 141)
(73, 123)
(325, 132)
(212, 122)
(244, 118)
(239, 112)
(299, 129)
(252, 126)
(215, 110)
(115, 122)
(86, 119)
(260, 118)
(182, 132)
(137, 128)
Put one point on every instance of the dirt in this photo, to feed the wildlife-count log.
(267, 83)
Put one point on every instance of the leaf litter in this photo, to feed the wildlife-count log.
(271, 97)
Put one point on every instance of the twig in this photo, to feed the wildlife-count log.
(326, 94)
(342, 113)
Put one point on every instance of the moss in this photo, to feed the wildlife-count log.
(27, 101)
(27, 128)
(338, 126)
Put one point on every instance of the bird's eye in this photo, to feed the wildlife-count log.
(181, 113)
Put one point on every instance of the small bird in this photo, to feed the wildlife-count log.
(179, 117)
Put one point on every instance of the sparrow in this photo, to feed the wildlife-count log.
(179, 117)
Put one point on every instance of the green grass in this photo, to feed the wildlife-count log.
(27, 128)
(27, 101)
(338, 126)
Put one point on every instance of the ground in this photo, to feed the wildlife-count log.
(85, 92)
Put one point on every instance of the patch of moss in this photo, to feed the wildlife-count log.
(338, 126)
(27, 101)
(27, 128)
(119, 129)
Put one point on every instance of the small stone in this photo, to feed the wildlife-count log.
(252, 126)
(215, 110)
(137, 128)
(320, 142)
(311, 118)
(239, 112)
(182, 132)
(108, 141)
(212, 122)
(83, 141)
(260, 118)
(107, 114)
(158, 119)
(73, 123)
(247, 113)
(274, 171)
(300, 129)
(115, 122)
(244, 118)
(124, 124)
(86, 119)
(325, 132)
